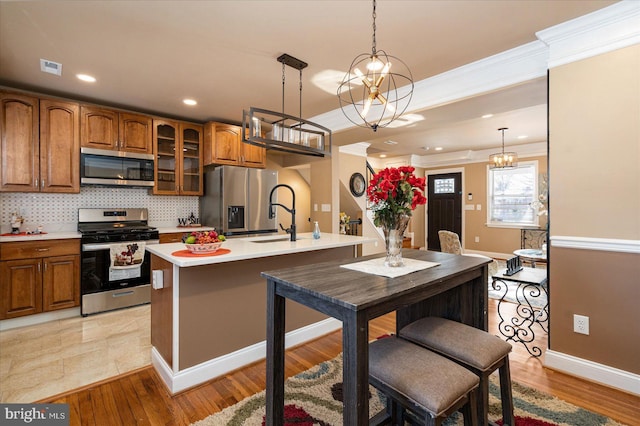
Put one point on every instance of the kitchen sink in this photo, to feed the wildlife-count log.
(273, 240)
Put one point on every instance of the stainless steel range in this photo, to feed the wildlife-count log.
(116, 268)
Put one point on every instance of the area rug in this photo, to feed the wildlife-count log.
(314, 397)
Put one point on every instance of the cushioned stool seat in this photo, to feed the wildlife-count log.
(430, 386)
(475, 349)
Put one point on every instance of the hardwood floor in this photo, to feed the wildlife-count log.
(141, 398)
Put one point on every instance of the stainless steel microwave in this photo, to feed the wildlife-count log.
(115, 168)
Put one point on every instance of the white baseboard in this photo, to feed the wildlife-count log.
(25, 321)
(593, 371)
(192, 376)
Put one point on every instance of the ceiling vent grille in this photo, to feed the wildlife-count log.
(50, 67)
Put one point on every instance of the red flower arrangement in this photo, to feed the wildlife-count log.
(394, 192)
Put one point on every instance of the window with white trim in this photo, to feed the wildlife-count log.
(510, 193)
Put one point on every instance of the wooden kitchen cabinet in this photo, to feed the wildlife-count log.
(59, 146)
(39, 144)
(172, 237)
(117, 131)
(223, 145)
(21, 288)
(178, 165)
(39, 276)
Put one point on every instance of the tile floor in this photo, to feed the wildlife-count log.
(43, 360)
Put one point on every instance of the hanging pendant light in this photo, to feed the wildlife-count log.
(503, 160)
(278, 131)
(377, 89)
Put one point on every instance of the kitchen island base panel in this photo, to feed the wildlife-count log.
(198, 374)
(210, 313)
(162, 310)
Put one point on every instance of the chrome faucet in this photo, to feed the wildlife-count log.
(292, 210)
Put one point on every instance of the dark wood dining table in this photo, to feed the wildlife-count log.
(455, 289)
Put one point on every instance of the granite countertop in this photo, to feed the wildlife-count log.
(40, 237)
(63, 235)
(255, 247)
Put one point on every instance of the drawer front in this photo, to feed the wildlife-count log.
(39, 249)
(174, 237)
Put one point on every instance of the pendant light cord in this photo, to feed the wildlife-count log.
(502, 129)
(373, 48)
(283, 83)
(283, 87)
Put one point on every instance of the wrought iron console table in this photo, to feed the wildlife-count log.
(532, 284)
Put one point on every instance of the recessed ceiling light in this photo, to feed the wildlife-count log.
(487, 116)
(438, 148)
(87, 78)
(190, 102)
(389, 142)
(523, 137)
(383, 155)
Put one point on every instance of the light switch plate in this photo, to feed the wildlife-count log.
(469, 207)
(326, 207)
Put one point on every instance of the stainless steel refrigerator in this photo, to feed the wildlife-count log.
(236, 200)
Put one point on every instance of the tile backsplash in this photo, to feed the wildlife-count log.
(59, 212)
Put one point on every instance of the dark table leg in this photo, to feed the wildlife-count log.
(275, 356)
(355, 369)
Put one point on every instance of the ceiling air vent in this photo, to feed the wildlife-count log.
(50, 67)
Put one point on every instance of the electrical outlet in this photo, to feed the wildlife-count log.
(477, 239)
(581, 324)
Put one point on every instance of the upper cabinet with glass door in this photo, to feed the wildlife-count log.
(165, 136)
(191, 170)
(178, 165)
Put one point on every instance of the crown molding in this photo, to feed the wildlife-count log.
(537, 149)
(507, 68)
(602, 31)
(359, 149)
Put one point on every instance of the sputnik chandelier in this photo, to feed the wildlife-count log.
(377, 89)
(503, 160)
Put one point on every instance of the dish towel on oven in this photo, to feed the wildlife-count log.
(126, 261)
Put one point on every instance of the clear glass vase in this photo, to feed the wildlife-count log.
(393, 236)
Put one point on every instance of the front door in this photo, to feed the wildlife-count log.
(444, 207)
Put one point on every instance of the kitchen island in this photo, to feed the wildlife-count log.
(208, 313)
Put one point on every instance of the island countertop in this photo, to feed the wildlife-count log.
(256, 247)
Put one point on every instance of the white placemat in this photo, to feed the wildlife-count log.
(377, 267)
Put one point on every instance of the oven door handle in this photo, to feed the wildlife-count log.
(107, 246)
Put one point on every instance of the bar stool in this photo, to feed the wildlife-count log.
(473, 348)
(420, 385)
